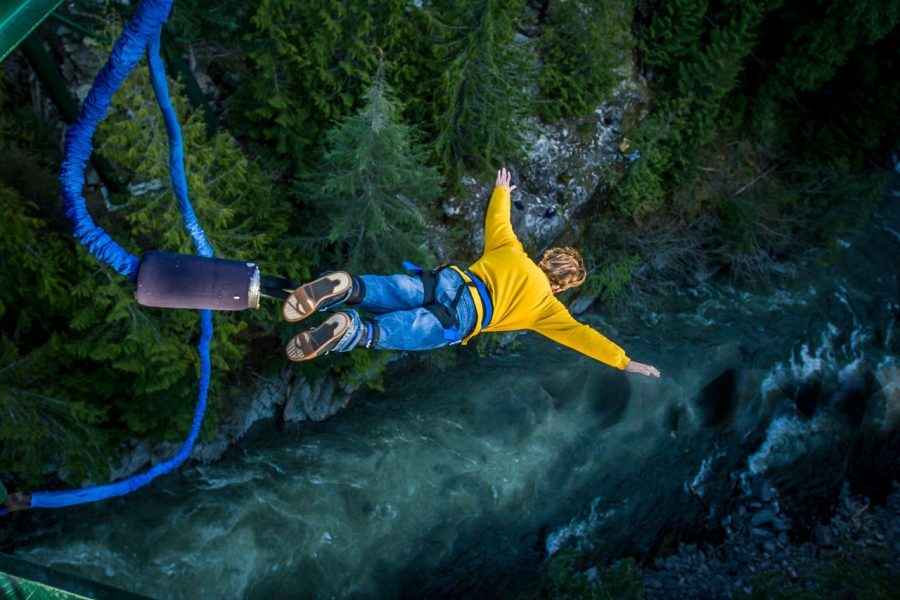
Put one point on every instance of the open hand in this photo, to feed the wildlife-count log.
(648, 370)
(503, 178)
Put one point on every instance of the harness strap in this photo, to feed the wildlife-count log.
(472, 286)
(445, 315)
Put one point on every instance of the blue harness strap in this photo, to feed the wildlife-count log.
(141, 34)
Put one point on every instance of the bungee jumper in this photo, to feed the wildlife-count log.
(504, 290)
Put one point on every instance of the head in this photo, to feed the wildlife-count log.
(564, 268)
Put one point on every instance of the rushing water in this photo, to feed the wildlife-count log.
(464, 480)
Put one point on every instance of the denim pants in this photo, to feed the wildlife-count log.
(396, 303)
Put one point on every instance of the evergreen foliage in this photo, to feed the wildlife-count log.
(81, 364)
(313, 60)
(374, 188)
(481, 98)
(751, 113)
(42, 422)
(580, 49)
(243, 219)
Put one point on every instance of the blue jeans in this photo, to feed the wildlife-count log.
(396, 303)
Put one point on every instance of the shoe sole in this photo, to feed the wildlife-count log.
(309, 297)
(311, 343)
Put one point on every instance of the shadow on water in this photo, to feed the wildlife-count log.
(586, 386)
(716, 401)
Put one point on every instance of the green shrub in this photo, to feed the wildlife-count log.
(561, 579)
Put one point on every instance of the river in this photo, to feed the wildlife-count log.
(463, 481)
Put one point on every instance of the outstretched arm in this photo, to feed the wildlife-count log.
(498, 229)
(561, 327)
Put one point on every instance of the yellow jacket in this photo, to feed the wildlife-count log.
(521, 295)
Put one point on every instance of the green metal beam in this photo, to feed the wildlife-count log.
(23, 579)
(18, 18)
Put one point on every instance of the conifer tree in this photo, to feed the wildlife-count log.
(313, 60)
(580, 49)
(374, 188)
(481, 98)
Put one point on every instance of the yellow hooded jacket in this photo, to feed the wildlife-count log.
(521, 295)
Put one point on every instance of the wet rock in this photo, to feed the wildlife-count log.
(761, 533)
(316, 400)
(82, 91)
(822, 535)
(211, 451)
(761, 517)
(163, 452)
(779, 524)
(269, 394)
(134, 460)
(760, 489)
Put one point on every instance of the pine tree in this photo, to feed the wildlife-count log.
(313, 60)
(481, 100)
(580, 49)
(374, 188)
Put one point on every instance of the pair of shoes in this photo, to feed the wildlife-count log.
(310, 297)
(318, 340)
(307, 299)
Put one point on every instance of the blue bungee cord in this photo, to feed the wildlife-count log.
(141, 34)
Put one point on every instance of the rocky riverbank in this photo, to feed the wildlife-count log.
(856, 551)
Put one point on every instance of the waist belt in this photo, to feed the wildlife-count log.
(447, 315)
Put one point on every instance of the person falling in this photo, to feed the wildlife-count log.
(503, 291)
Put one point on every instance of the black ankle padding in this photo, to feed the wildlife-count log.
(357, 291)
(364, 340)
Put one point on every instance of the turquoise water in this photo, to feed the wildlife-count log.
(463, 481)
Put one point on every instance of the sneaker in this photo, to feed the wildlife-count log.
(310, 297)
(319, 340)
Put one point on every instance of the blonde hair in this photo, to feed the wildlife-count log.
(564, 267)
